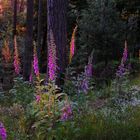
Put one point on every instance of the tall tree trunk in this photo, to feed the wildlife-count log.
(15, 18)
(57, 21)
(21, 6)
(28, 51)
(43, 57)
(39, 31)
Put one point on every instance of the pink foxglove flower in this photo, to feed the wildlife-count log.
(52, 65)
(122, 68)
(38, 98)
(66, 113)
(88, 73)
(72, 44)
(89, 70)
(3, 134)
(35, 63)
(125, 54)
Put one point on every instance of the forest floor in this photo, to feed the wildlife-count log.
(98, 115)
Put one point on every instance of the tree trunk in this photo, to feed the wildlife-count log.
(15, 18)
(57, 22)
(39, 32)
(21, 8)
(43, 55)
(28, 51)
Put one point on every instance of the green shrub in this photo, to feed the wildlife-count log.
(43, 115)
(22, 92)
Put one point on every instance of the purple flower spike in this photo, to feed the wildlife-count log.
(122, 68)
(88, 70)
(121, 71)
(87, 76)
(52, 65)
(3, 134)
(66, 113)
(35, 63)
(38, 98)
(125, 54)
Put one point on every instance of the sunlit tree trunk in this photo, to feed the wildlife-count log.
(15, 18)
(57, 22)
(28, 51)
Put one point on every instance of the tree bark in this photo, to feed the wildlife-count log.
(28, 51)
(15, 18)
(43, 56)
(39, 32)
(57, 22)
(21, 8)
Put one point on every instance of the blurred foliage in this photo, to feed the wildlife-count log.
(103, 28)
(22, 93)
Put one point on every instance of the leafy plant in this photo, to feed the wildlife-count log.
(45, 112)
(14, 120)
(22, 92)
